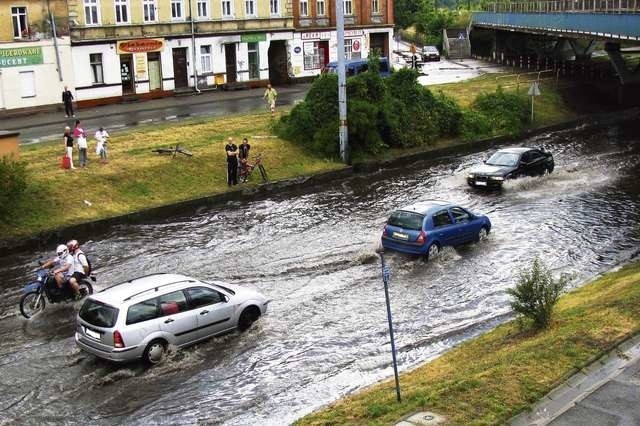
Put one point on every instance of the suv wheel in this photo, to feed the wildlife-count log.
(155, 351)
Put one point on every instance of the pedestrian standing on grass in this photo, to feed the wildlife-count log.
(243, 157)
(271, 95)
(67, 100)
(68, 145)
(81, 137)
(232, 162)
(101, 146)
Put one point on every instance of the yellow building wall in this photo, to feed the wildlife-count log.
(37, 17)
(163, 10)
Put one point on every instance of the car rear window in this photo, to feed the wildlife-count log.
(98, 314)
(405, 219)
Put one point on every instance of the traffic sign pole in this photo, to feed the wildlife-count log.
(386, 275)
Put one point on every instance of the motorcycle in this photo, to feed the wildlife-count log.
(34, 294)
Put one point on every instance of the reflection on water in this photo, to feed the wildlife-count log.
(313, 254)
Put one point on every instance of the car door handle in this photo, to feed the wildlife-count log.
(204, 312)
(169, 320)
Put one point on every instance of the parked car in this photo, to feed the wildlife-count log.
(430, 53)
(357, 66)
(510, 163)
(424, 228)
(140, 318)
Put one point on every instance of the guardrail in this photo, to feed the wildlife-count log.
(539, 76)
(566, 6)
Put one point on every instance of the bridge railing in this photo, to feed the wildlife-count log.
(566, 6)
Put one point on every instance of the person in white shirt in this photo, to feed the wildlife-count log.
(101, 148)
(62, 265)
(81, 268)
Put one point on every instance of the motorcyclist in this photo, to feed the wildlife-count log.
(61, 265)
(80, 267)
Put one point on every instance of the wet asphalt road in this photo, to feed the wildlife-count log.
(312, 253)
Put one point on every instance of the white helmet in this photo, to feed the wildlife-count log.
(62, 251)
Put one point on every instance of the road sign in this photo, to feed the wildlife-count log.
(534, 90)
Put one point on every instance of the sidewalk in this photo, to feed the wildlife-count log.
(30, 120)
(607, 392)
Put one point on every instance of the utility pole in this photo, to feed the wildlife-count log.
(193, 49)
(342, 84)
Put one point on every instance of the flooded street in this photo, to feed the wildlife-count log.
(325, 334)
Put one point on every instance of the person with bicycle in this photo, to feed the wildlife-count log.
(243, 156)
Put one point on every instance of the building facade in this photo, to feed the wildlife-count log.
(152, 48)
(368, 27)
(34, 65)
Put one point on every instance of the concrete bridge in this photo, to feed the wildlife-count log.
(553, 27)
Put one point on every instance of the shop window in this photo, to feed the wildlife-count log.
(313, 55)
(254, 60)
(19, 18)
(320, 8)
(91, 14)
(348, 48)
(95, 60)
(122, 11)
(205, 58)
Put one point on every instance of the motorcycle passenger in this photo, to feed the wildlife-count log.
(80, 267)
(62, 265)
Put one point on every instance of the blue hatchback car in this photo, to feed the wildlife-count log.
(425, 227)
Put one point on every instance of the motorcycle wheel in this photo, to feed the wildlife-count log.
(86, 288)
(28, 307)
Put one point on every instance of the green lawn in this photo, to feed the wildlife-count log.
(489, 379)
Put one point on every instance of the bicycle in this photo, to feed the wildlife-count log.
(246, 169)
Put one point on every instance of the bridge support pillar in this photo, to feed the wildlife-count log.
(629, 89)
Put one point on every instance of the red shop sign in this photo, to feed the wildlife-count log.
(141, 45)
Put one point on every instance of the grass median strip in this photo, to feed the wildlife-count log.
(489, 379)
(137, 178)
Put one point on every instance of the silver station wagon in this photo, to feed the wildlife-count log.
(140, 318)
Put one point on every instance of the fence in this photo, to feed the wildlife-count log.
(525, 77)
(576, 6)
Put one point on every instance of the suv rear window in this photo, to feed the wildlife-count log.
(98, 313)
(407, 220)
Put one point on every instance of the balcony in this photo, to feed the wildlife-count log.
(162, 29)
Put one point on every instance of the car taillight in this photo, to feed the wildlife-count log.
(117, 340)
(422, 238)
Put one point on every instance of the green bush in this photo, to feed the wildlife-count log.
(536, 293)
(474, 125)
(507, 113)
(13, 182)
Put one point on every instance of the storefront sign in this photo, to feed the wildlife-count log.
(141, 45)
(19, 56)
(325, 35)
(353, 33)
(141, 66)
(253, 38)
(355, 45)
(296, 49)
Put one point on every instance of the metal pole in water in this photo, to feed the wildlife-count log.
(342, 84)
(385, 279)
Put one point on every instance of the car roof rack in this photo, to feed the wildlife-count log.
(155, 288)
(134, 279)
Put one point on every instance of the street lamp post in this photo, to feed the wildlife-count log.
(386, 275)
(342, 84)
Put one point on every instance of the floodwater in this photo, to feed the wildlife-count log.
(325, 334)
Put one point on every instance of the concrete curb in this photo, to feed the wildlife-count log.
(84, 231)
(581, 384)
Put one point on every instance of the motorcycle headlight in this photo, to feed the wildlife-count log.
(496, 178)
